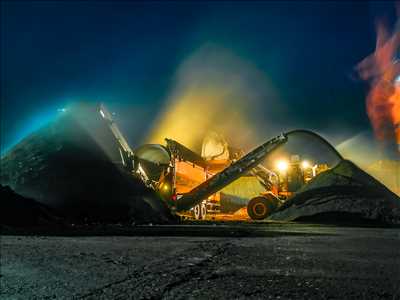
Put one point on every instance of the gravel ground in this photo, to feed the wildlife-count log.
(281, 262)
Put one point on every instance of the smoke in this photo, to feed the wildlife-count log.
(215, 90)
(362, 149)
(382, 70)
(368, 154)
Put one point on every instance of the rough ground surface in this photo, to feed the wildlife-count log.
(280, 262)
(344, 192)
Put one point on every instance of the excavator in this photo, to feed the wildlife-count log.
(183, 179)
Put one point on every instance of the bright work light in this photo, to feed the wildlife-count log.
(282, 165)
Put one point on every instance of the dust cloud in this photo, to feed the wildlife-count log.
(215, 90)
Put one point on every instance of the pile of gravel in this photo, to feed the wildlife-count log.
(16, 210)
(74, 166)
(344, 193)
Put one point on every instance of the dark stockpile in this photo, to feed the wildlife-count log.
(73, 166)
(16, 210)
(342, 194)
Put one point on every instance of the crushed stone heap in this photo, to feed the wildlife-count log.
(16, 210)
(73, 166)
(344, 193)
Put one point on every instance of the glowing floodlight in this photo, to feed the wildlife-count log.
(305, 164)
(165, 187)
(282, 165)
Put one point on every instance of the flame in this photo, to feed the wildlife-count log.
(382, 70)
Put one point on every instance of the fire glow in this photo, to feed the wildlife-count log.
(382, 70)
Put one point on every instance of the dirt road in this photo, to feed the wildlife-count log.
(192, 262)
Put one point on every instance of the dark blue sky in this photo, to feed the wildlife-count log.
(126, 54)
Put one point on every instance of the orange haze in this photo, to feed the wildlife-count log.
(382, 70)
(215, 90)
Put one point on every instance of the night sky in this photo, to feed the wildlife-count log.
(126, 55)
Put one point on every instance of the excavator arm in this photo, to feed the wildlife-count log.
(228, 175)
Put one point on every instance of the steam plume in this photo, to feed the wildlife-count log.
(215, 90)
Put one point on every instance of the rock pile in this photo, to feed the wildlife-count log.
(16, 210)
(344, 193)
(74, 166)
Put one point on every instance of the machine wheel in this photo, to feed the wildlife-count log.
(259, 208)
(197, 212)
(203, 211)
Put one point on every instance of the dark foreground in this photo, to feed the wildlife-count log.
(274, 262)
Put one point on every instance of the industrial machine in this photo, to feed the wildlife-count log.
(187, 182)
(289, 177)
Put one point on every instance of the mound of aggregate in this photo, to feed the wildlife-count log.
(343, 194)
(74, 166)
